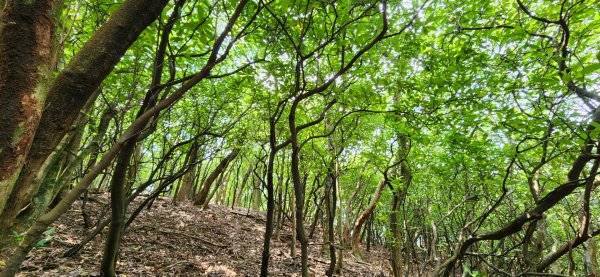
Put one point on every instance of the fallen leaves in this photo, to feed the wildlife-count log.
(182, 240)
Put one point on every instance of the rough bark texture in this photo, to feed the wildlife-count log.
(72, 87)
(26, 35)
(59, 168)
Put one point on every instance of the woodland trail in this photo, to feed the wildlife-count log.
(183, 240)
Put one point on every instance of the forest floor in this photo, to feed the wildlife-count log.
(184, 240)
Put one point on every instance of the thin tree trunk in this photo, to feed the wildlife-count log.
(360, 221)
(350, 201)
(264, 268)
(340, 226)
(591, 258)
(117, 205)
(330, 203)
(294, 233)
(396, 244)
(212, 193)
(204, 191)
(238, 198)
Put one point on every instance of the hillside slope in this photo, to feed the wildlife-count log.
(183, 240)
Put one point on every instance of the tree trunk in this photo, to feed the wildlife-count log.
(360, 221)
(117, 205)
(203, 193)
(138, 125)
(399, 193)
(212, 193)
(294, 233)
(26, 38)
(264, 266)
(396, 244)
(238, 197)
(299, 189)
(591, 258)
(350, 201)
(330, 201)
(187, 184)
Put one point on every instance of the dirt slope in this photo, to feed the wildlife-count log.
(184, 240)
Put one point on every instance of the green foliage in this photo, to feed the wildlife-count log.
(475, 87)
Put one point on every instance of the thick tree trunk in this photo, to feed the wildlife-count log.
(37, 229)
(26, 37)
(61, 165)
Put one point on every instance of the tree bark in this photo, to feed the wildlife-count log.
(117, 206)
(26, 38)
(360, 221)
(299, 189)
(399, 193)
(187, 184)
(330, 203)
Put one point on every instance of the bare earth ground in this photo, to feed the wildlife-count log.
(184, 240)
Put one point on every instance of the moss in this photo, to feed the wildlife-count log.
(17, 134)
(7, 185)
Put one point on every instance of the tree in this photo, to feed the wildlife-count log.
(461, 136)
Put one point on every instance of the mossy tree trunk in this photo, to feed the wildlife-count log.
(26, 36)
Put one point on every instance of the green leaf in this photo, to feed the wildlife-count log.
(590, 69)
(43, 242)
(49, 232)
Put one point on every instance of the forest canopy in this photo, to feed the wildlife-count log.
(459, 137)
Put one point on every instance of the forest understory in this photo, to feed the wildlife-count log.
(452, 138)
(184, 240)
